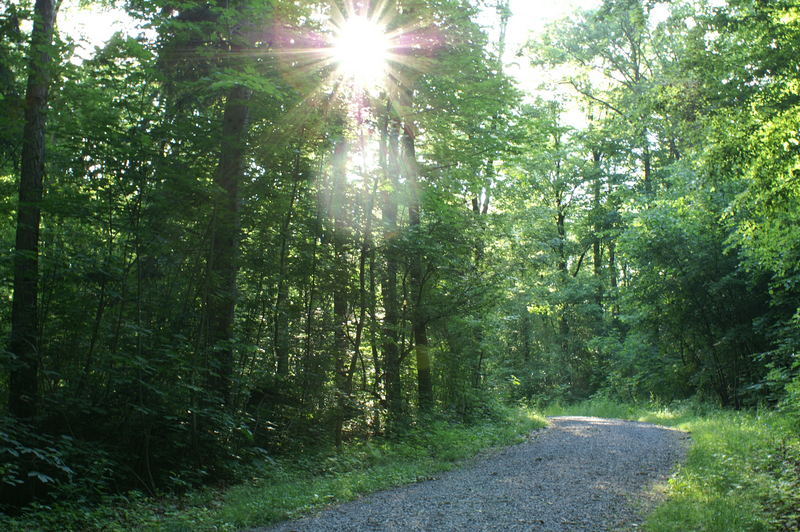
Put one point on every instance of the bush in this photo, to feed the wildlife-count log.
(791, 402)
(48, 467)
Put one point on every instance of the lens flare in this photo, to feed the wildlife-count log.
(361, 51)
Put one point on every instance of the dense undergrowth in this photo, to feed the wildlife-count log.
(742, 471)
(283, 488)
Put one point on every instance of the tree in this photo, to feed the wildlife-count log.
(223, 265)
(389, 162)
(24, 342)
(613, 56)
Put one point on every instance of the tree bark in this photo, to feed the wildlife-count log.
(561, 216)
(525, 332)
(366, 250)
(223, 264)
(24, 340)
(649, 187)
(419, 323)
(340, 284)
(388, 153)
(280, 335)
(312, 373)
(612, 272)
(563, 323)
(597, 227)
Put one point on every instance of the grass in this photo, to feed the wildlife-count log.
(742, 471)
(284, 489)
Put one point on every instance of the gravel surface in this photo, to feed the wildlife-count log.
(582, 473)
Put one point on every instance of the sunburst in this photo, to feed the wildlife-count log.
(360, 50)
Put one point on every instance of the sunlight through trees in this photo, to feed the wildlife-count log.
(260, 229)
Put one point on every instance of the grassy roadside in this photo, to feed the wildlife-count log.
(283, 489)
(742, 470)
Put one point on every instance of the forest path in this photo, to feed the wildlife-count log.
(581, 473)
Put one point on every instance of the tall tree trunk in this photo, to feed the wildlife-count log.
(562, 268)
(377, 363)
(366, 251)
(612, 272)
(389, 153)
(561, 249)
(312, 373)
(597, 226)
(480, 203)
(525, 333)
(649, 187)
(480, 211)
(223, 264)
(419, 324)
(280, 335)
(24, 340)
(340, 284)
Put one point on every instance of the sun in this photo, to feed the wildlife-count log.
(361, 50)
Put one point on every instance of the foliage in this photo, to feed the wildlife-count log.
(244, 258)
(52, 467)
(279, 488)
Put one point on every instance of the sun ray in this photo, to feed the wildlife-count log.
(353, 54)
(361, 50)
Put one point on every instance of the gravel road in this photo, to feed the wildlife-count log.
(582, 473)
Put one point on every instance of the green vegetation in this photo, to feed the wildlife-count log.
(742, 470)
(286, 488)
(259, 230)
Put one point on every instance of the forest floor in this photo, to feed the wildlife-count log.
(740, 473)
(287, 487)
(582, 473)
